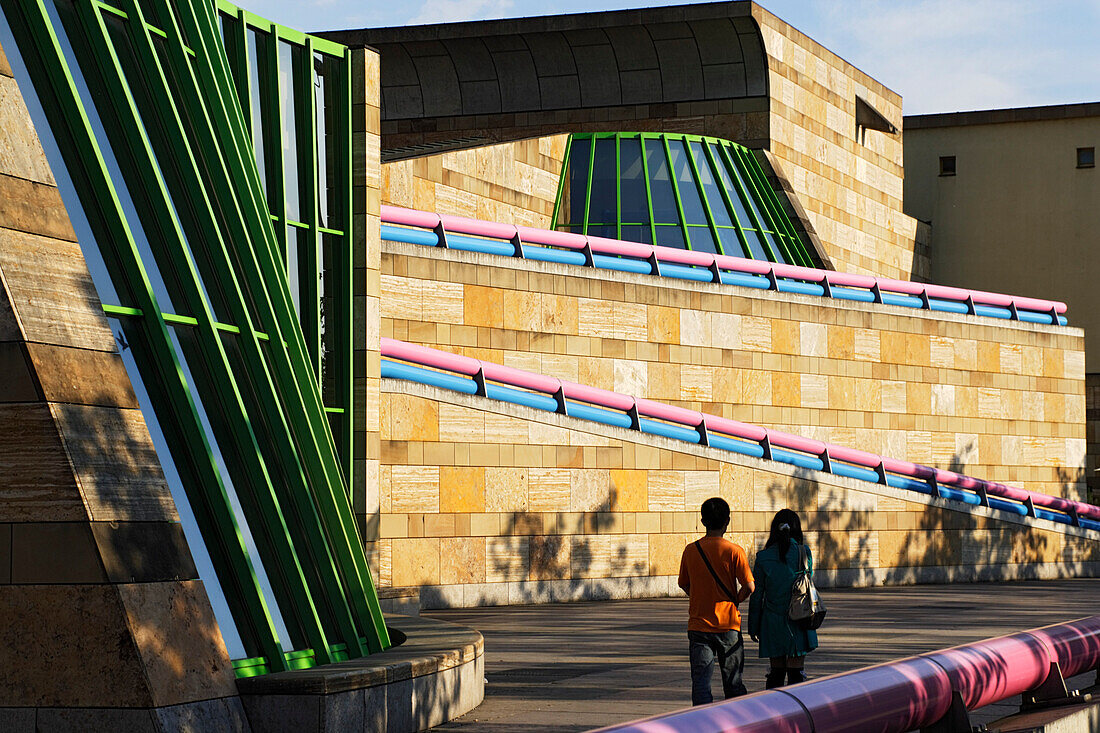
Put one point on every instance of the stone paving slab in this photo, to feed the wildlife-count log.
(577, 666)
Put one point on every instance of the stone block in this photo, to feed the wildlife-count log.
(35, 472)
(82, 376)
(35, 557)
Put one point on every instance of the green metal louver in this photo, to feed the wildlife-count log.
(680, 191)
(211, 154)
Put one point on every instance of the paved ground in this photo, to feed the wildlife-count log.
(576, 666)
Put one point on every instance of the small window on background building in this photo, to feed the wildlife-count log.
(947, 165)
(1086, 157)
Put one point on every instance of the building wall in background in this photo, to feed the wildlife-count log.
(997, 400)
(486, 503)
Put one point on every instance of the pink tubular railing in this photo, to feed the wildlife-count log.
(774, 271)
(911, 693)
(707, 424)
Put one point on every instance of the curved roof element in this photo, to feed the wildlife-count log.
(635, 57)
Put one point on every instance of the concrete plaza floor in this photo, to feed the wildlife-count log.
(576, 666)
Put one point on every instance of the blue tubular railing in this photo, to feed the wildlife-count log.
(471, 376)
(471, 235)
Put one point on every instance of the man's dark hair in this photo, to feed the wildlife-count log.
(716, 513)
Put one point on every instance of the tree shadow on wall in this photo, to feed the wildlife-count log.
(583, 556)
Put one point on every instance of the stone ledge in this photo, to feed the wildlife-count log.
(428, 646)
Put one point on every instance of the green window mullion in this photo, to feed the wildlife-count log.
(266, 519)
(648, 190)
(271, 117)
(785, 228)
(618, 190)
(675, 192)
(309, 203)
(730, 157)
(754, 178)
(308, 530)
(588, 183)
(345, 313)
(738, 226)
(294, 372)
(703, 195)
(555, 222)
(236, 51)
(149, 340)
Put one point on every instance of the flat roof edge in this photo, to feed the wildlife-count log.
(1001, 116)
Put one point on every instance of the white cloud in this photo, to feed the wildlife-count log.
(452, 11)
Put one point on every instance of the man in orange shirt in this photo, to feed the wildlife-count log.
(715, 574)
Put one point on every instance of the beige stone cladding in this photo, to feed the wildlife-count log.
(851, 186)
(995, 399)
(513, 182)
(487, 503)
(367, 261)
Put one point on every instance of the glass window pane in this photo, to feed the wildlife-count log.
(756, 246)
(603, 207)
(254, 72)
(670, 236)
(702, 239)
(685, 181)
(575, 189)
(329, 167)
(634, 202)
(660, 184)
(731, 243)
(710, 187)
(773, 240)
(287, 88)
(747, 185)
(741, 212)
(637, 233)
(609, 231)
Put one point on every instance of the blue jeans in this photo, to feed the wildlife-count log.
(704, 647)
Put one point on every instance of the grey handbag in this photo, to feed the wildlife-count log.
(806, 608)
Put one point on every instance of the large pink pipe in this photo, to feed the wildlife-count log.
(477, 227)
(900, 696)
(694, 419)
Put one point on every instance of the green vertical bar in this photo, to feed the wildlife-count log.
(588, 184)
(746, 196)
(784, 229)
(346, 319)
(618, 191)
(676, 192)
(271, 117)
(152, 197)
(737, 225)
(309, 204)
(554, 223)
(702, 194)
(294, 373)
(648, 190)
(762, 191)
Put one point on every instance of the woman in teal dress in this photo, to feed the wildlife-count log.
(781, 640)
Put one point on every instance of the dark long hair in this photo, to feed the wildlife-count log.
(786, 526)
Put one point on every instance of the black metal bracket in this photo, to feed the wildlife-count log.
(704, 436)
(766, 444)
(827, 287)
(877, 292)
(517, 243)
(826, 461)
(588, 259)
(559, 397)
(441, 233)
(654, 264)
(479, 380)
(880, 469)
(1030, 507)
(970, 305)
(635, 420)
(983, 497)
(935, 487)
(1014, 314)
(1052, 692)
(715, 272)
(955, 720)
(773, 283)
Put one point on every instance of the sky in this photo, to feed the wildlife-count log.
(940, 55)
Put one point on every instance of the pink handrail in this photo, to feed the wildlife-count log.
(600, 245)
(468, 366)
(899, 696)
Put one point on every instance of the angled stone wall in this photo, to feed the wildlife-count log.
(103, 620)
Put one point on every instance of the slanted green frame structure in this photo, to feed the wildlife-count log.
(747, 201)
(248, 367)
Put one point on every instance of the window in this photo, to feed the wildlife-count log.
(947, 165)
(1086, 157)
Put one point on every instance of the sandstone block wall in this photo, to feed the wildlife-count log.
(513, 182)
(490, 503)
(851, 187)
(999, 400)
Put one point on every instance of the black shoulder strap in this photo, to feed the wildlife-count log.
(717, 580)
